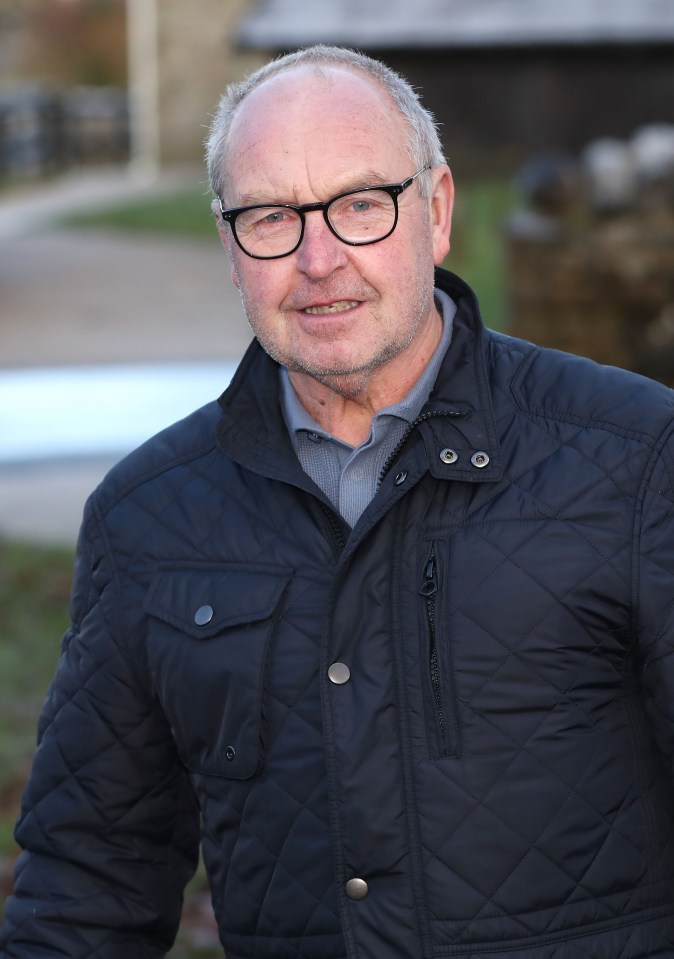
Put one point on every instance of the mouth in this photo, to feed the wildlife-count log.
(340, 306)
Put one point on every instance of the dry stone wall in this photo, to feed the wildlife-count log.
(591, 258)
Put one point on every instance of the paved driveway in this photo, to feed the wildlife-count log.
(92, 299)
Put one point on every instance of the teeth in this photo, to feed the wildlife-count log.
(337, 307)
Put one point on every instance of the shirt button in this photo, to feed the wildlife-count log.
(400, 478)
(339, 673)
(314, 437)
(203, 615)
(480, 459)
(449, 456)
(356, 889)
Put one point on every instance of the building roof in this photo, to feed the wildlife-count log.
(389, 24)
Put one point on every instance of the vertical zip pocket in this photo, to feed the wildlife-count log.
(439, 693)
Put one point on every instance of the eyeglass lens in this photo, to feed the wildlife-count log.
(362, 217)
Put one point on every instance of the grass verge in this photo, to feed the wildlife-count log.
(184, 213)
(34, 589)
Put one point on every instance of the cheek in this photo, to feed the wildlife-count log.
(263, 285)
(401, 264)
(382, 265)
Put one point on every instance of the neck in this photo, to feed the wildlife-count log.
(345, 405)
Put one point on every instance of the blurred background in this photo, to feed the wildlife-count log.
(117, 313)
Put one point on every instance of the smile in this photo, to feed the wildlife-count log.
(337, 307)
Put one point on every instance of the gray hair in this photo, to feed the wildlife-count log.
(423, 141)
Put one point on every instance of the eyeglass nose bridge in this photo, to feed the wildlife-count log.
(313, 208)
(316, 208)
(301, 212)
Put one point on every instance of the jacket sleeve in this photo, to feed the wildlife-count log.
(109, 822)
(654, 602)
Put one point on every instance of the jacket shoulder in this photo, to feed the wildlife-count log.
(188, 440)
(562, 386)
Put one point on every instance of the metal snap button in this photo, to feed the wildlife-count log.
(400, 478)
(339, 673)
(480, 459)
(449, 456)
(203, 615)
(356, 889)
(230, 753)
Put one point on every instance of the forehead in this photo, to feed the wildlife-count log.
(302, 130)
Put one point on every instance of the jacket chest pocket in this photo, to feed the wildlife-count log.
(439, 692)
(209, 635)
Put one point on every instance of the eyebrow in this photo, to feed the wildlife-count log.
(367, 179)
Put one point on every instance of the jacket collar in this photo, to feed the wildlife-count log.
(458, 416)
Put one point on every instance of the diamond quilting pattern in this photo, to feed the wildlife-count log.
(531, 573)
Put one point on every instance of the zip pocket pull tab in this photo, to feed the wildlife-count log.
(429, 587)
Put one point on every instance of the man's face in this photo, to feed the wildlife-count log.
(336, 312)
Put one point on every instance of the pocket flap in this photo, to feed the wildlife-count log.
(203, 601)
(213, 692)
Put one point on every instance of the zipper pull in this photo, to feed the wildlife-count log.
(429, 587)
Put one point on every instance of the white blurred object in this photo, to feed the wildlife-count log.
(104, 410)
(653, 150)
(609, 172)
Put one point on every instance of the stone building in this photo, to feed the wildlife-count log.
(181, 56)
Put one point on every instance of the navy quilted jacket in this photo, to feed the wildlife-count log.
(493, 758)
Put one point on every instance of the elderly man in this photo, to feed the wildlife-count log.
(393, 620)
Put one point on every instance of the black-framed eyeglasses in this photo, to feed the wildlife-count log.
(267, 231)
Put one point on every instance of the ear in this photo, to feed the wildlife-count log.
(220, 223)
(225, 235)
(442, 204)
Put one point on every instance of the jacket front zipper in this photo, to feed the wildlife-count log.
(335, 532)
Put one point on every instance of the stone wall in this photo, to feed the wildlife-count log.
(592, 275)
(197, 58)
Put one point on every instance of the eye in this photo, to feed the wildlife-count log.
(266, 219)
(277, 216)
(361, 206)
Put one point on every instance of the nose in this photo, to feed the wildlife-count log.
(320, 253)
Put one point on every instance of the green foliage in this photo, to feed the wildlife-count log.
(6, 834)
(183, 213)
(34, 589)
(478, 244)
